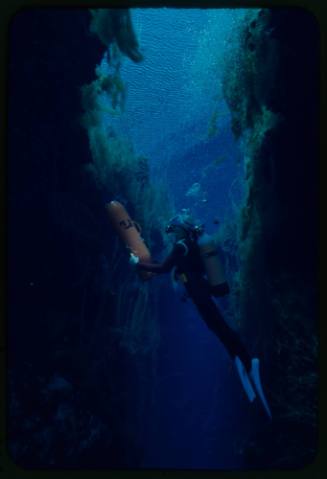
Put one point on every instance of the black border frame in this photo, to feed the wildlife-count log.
(7, 10)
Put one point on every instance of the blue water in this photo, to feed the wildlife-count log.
(200, 414)
(171, 97)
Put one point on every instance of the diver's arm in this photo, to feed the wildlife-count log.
(167, 265)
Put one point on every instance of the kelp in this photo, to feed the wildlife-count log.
(248, 72)
(114, 25)
(121, 173)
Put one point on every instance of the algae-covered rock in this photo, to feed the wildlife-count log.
(270, 85)
(80, 361)
(115, 25)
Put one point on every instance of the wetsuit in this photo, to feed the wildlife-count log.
(186, 257)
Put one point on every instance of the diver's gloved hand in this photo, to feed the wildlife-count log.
(133, 259)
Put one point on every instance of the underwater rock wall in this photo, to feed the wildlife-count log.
(271, 85)
(80, 380)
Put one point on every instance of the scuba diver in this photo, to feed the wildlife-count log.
(196, 264)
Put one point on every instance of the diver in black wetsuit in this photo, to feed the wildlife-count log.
(185, 257)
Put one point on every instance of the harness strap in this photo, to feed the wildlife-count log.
(210, 253)
(182, 242)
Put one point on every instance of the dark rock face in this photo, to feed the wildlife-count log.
(72, 402)
(273, 93)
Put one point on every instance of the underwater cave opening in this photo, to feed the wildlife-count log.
(175, 115)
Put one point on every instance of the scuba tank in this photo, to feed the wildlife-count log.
(129, 233)
(213, 266)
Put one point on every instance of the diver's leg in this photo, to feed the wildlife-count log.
(199, 292)
(247, 369)
(210, 313)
